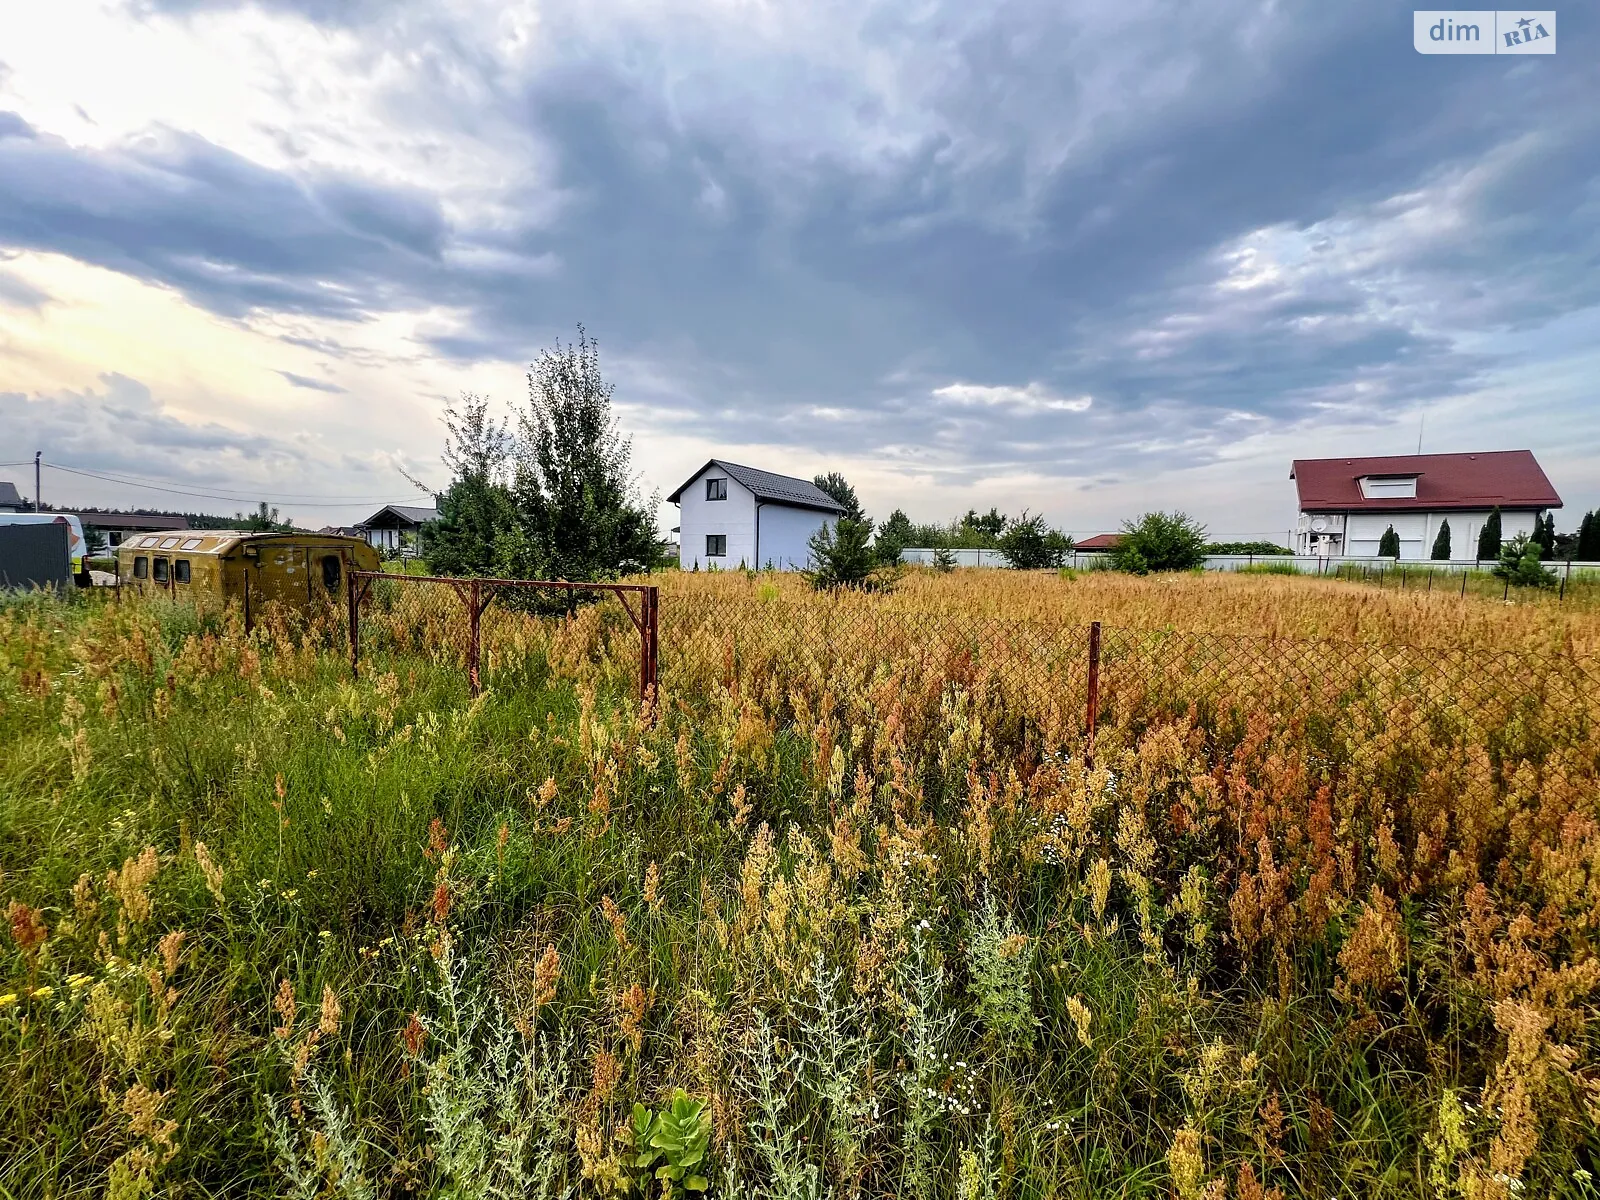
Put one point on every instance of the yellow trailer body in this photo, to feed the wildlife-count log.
(217, 566)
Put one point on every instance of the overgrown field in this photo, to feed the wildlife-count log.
(1316, 921)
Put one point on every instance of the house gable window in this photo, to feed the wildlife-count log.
(716, 489)
(1389, 487)
(716, 545)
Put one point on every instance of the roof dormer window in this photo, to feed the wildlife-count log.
(1389, 487)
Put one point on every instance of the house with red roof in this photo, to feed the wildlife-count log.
(1346, 504)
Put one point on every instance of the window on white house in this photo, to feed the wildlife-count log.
(1389, 487)
(716, 545)
(716, 489)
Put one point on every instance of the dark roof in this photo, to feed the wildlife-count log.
(1504, 478)
(770, 488)
(9, 498)
(1100, 541)
(407, 514)
(153, 522)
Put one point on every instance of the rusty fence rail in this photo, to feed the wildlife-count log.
(445, 617)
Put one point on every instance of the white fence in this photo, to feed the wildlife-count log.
(1306, 564)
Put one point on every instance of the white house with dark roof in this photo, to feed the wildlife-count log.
(1346, 504)
(10, 500)
(734, 516)
(388, 528)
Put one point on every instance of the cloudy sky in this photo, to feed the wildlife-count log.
(1090, 258)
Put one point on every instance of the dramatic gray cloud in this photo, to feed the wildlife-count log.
(962, 240)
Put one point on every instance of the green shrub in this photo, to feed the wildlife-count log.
(1160, 541)
(842, 557)
(1520, 566)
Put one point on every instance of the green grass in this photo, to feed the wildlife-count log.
(346, 815)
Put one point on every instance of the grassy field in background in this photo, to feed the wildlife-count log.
(274, 932)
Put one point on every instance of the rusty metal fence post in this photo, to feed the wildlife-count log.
(355, 625)
(1092, 715)
(650, 645)
(474, 641)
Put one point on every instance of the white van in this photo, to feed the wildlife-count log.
(77, 548)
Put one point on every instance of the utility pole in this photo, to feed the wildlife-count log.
(37, 507)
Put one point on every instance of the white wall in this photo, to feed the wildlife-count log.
(785, 535)
(734, 517)
(1363, 531)
(782, 541)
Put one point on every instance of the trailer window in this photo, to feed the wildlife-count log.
(191, 544)
(169, 543)
(180, 570)
(141, 567)
(330, 572)
(161, 574)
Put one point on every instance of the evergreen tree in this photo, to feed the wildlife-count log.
(894, 535)
(1519, 564)
(1441, 543)
(1489, 537)
(837, 486)
(1589, 538)
(842, 557)
(476, 511)
(579, 516)
(263, 520)
(1389, 544)
(1546, 535)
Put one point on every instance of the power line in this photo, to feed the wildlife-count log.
(161, 481)
(344, 503)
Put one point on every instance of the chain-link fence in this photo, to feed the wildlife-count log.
(1071, 683)
(1022, 680)
(485, 627)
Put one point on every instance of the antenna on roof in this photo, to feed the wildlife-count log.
(1421, 421)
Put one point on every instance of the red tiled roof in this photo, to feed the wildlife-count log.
(1507, 478)
(1100, 541)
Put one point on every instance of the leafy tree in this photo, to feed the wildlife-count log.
(990, 525)
(1519, 564)
(1589, 538)
(1029, 544)
(842, 557)
(1441, 542)
(477, 511)
(1389, 544)
(578, 512)
(263, 520)
(1160, 541)
(1489, 536)
(894, 535)
(837, 486)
